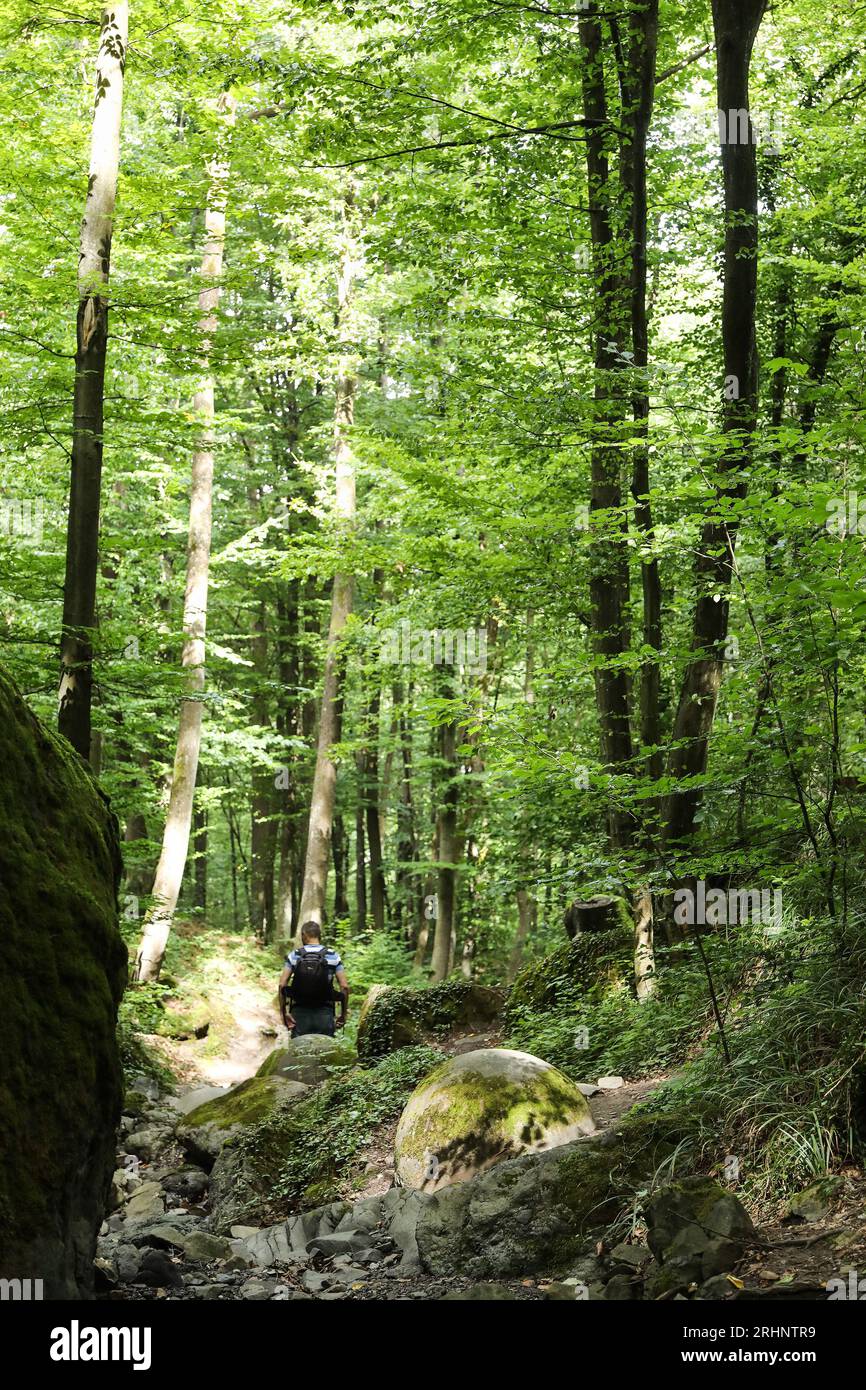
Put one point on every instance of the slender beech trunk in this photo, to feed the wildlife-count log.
(175, 843)
(288, 723)
(341, 866)
(527, 906)
(371, 809)
(527, 918)
(325, 775)
(608, 556)
(82, 536)
(448, 852)
(406, 896)
(199, 842)
(736, 24)
(262, 825)
(360, 850)
(638, 92)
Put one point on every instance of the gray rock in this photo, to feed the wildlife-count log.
(816, 1201)
(126, 1260)
(472, 1228)
(340, 1243)
(716, 1288)
(258, 1290)
(621, 1288)
(314, 1282)
(146, 1086)
(157, 1271)
(696, 1230)
(632, 1255)
(567, 1291)
(200, 1245)
(188, 1182)
(147, 1144)
(145, 1204)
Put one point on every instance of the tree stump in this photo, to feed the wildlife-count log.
(593, 914)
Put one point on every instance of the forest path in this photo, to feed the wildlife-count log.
(232, 985)
(251, 1037)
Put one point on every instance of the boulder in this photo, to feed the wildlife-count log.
(816, 1201)
(62, 971)
(480, 1108)
(695, 1230)
(309, 1060)
(189, 1183)
(537, 1213)
(394, 1017)
(205, 1130)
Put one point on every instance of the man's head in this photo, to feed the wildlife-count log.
(311, 931)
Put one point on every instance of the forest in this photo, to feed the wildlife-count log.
(432, 508)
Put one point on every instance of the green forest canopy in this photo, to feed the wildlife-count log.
(451, 160)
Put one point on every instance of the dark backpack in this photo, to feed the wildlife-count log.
(312, 979)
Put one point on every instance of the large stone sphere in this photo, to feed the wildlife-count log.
(480, 1108)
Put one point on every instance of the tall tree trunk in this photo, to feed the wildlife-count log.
(608, 557)
(406, 895)
(360, 851)
(527, 905)
(82, 536)
(199, 845)
(527, 917)
(262, 827)
(175, 843)
(371, 808)
(341, 865)
(638, 90)
(736, 24)
(448, 852)
(288, 723)
(325, 774)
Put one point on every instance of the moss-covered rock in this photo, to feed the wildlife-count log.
(480, 1108)
(62, 967)
(302, 1155)
(394, 1017)
(591, 965)
(205, 1130)
(310, 1059)
(696, 1230)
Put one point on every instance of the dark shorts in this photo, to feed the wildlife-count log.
(319, 1020)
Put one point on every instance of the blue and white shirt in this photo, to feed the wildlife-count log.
(332, 959)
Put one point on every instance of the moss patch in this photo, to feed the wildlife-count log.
(595, 963)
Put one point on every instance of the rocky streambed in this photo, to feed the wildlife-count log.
(545, 1224)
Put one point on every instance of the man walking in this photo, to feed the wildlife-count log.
(307, 983)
